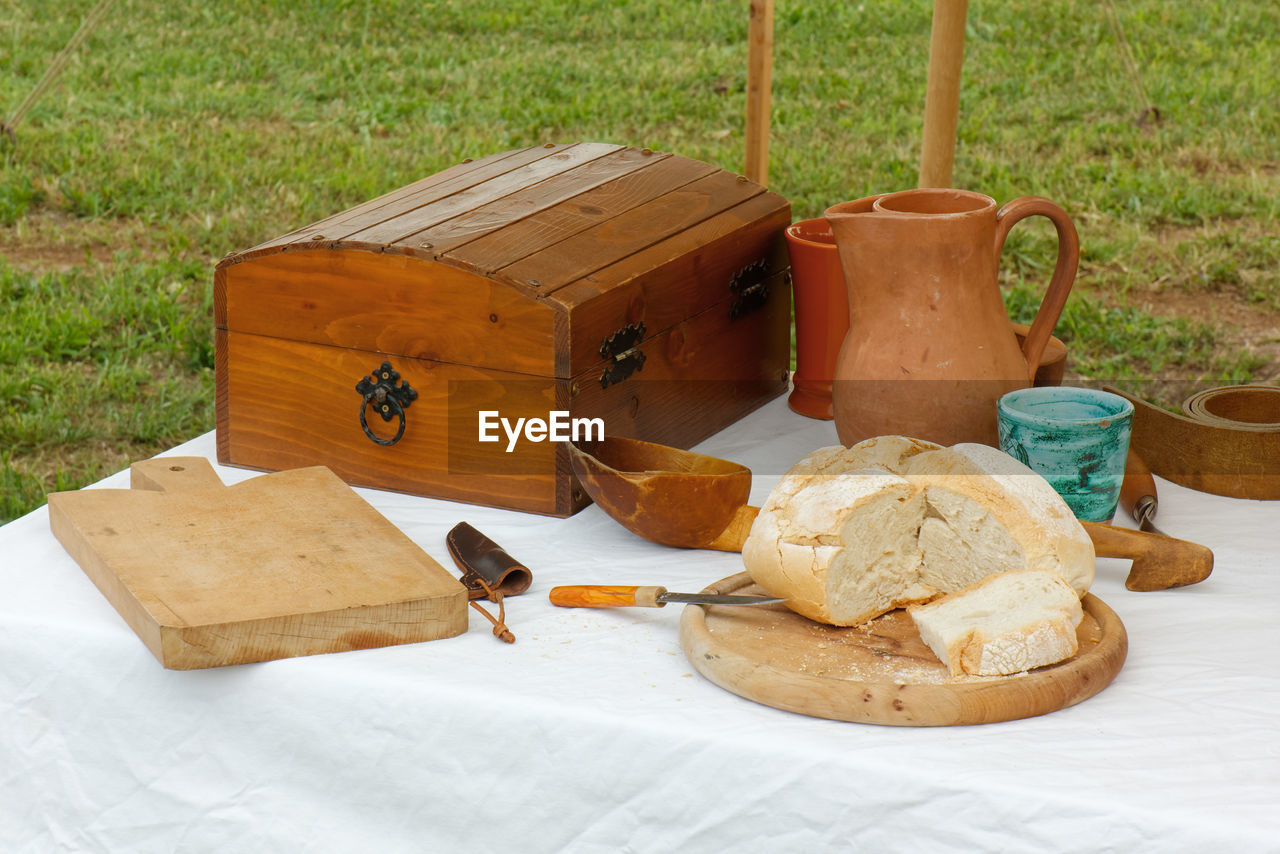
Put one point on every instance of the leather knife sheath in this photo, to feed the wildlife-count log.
(481, 558)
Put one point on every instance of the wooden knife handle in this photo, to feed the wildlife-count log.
(606, 596)
(1137, 485)
(1159, 562)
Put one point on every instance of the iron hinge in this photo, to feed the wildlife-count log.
(750, 288)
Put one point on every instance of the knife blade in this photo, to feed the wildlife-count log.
(1138, 494)
(619, 596)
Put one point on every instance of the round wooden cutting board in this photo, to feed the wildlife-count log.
(881, 672)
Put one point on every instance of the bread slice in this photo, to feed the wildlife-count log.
(1004, 624)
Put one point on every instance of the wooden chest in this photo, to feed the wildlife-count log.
(578, 287)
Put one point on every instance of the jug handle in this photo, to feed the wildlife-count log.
(1064, 271)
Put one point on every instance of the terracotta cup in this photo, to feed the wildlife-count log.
(822, 314)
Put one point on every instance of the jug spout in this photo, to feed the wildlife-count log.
(847, 220)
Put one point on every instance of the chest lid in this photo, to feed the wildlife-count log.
(584, 238)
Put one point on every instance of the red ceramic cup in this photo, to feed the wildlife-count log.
(822, 315)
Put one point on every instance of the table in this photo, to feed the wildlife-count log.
(593, 733)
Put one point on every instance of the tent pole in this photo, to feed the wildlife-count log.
(759, 83)
(942, 92)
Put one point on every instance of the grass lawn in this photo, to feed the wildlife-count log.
(180, 132)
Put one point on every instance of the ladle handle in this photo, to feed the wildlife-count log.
(1159, 562)
(1064, 271)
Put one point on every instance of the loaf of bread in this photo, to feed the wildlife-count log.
(989, 513)
(838, 534)
(849, 534)
(1006, 623)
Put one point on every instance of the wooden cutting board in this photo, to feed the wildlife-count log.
(881, 672)
(280, 565)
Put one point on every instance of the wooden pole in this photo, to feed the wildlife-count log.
(759, 84)
(942, 93)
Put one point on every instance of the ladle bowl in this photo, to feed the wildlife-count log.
(666, 495)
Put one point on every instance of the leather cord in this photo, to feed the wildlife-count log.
(488, 572)
(500, 630)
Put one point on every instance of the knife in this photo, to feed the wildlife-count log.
(616, 596)
(1138, 493)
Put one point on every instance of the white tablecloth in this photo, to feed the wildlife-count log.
(593, 733)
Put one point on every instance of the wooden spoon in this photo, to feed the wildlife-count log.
(694, 501)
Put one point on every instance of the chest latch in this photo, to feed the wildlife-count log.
(750, 288)
(623, 347)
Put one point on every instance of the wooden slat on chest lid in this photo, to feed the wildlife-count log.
(501, 213)
(450, 180)
(628, 233)
(386, 303)
(583, 214)
(444, 207)
(436, 198)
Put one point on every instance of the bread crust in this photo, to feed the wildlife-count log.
(840, 535)
(796, 538)
(1050, 536)
(794, 544)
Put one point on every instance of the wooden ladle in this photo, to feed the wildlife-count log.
(694, 501)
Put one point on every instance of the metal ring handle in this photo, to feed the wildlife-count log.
(390, 409)
(392, 397)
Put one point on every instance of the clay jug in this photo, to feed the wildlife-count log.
(930, 348)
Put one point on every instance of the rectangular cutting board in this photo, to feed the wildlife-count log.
(280, 565)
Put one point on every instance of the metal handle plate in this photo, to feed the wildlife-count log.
(389, 397)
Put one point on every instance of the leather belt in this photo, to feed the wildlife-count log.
(1226, 441)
